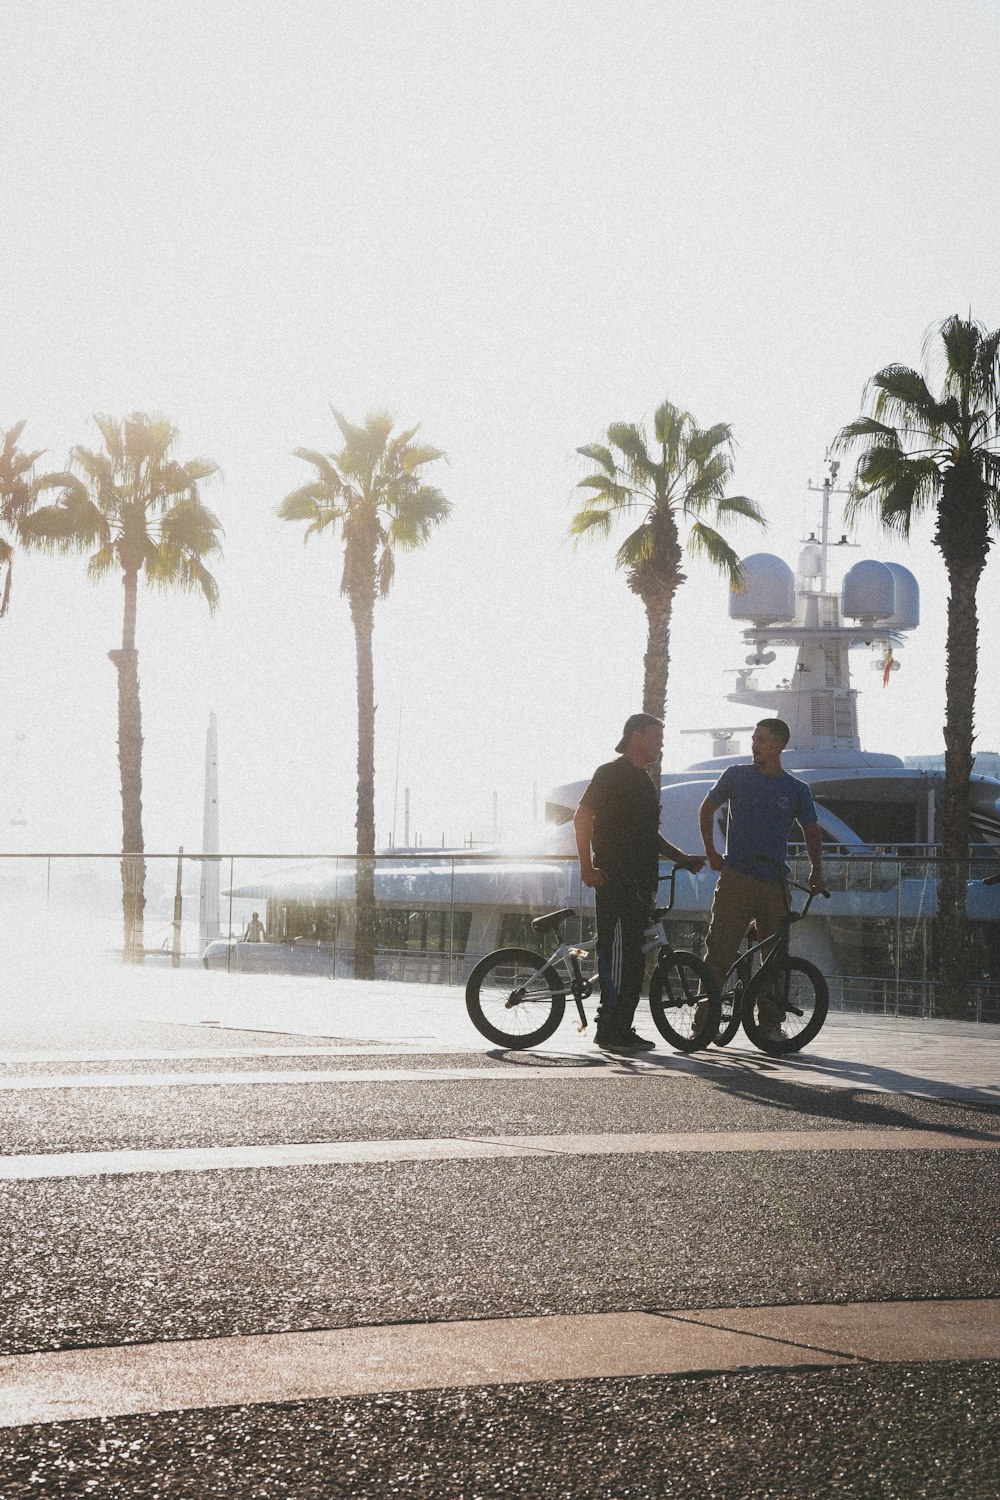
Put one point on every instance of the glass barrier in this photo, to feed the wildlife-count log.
(436, 914)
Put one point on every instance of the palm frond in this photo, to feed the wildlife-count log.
(865, 428)
(637, 548)
(413, 516)
(102, 562)
(353, 435)
(705, 541)
(599, 454)
(172, 569)
(704, 483)
(630, 440)
(742, 506)
(960, 339)
(304, 504)
(73, 524)
(328, 471)
(10, 438)
(111, 432)
(894, 487)
(385, 572)
(189, 527)
(670, 425)
(901, 397)
(988, 371)
(619, 496)
(703, 443)
(589, 521)
(415, 455)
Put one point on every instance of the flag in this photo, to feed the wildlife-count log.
(888, 667)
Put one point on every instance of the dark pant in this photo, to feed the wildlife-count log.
(622, 914)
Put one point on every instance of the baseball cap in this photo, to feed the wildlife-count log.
(632, 723)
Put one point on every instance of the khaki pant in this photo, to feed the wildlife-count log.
(739, 900)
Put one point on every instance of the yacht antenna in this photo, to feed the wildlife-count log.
(827, 488)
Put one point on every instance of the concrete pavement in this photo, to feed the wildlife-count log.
(269, 1236)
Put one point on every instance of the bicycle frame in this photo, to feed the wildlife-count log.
(779, 943)
(568, 955)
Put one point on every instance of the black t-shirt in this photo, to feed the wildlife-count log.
(626, 830)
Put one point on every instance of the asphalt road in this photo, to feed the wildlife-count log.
(124, 1260)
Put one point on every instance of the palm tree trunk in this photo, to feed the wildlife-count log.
(656, 582)
(657, 595)
(656, 666)
(133, 866)
(362, 602)
(960, 696)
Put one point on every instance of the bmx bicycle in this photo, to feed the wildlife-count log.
(517, 998)
(783, 1001)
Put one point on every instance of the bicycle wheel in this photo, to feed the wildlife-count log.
(731, 1007)
(509, 1006)
(684, 1001)
(785, 1005)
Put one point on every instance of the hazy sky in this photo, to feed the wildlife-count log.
(514, 224)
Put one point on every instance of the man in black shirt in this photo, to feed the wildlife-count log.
(617, 826)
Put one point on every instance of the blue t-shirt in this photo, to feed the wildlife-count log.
(762, 810)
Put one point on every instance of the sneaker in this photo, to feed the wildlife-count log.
(772, 1033)
(637, 1043)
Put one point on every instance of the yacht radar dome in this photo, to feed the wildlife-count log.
(869, 592)
(769, 594)
(906, 614)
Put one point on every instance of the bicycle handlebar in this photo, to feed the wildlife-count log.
(796, 916)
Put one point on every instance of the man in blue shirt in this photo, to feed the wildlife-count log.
(764, 802)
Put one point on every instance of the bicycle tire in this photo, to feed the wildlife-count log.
(489, 999)
(680, 984)
(805, 996)
(731, 1004)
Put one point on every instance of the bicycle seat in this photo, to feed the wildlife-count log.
(551, 919)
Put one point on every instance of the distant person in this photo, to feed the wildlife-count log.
(617, 826)
(255, 930)
(764, 801)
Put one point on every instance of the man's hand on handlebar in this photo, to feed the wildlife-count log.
(691, 862)
(818, 886)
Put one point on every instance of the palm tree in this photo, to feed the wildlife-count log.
(373, 490)
(136, 509)
(922, 452)
(17, 497)
(678, 484)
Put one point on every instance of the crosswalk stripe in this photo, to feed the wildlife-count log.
(320, 1364)
(28, 1083)
(41, 1166)
(209, 1054)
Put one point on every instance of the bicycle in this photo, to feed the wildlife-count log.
(780, 983)
(517, 998)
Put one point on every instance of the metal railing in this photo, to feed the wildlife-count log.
(439, 911)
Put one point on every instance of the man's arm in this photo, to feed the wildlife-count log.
(583, 826)
(814, 848)
(706, 820)
(692, 862)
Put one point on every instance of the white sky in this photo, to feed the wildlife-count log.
(513, 223)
